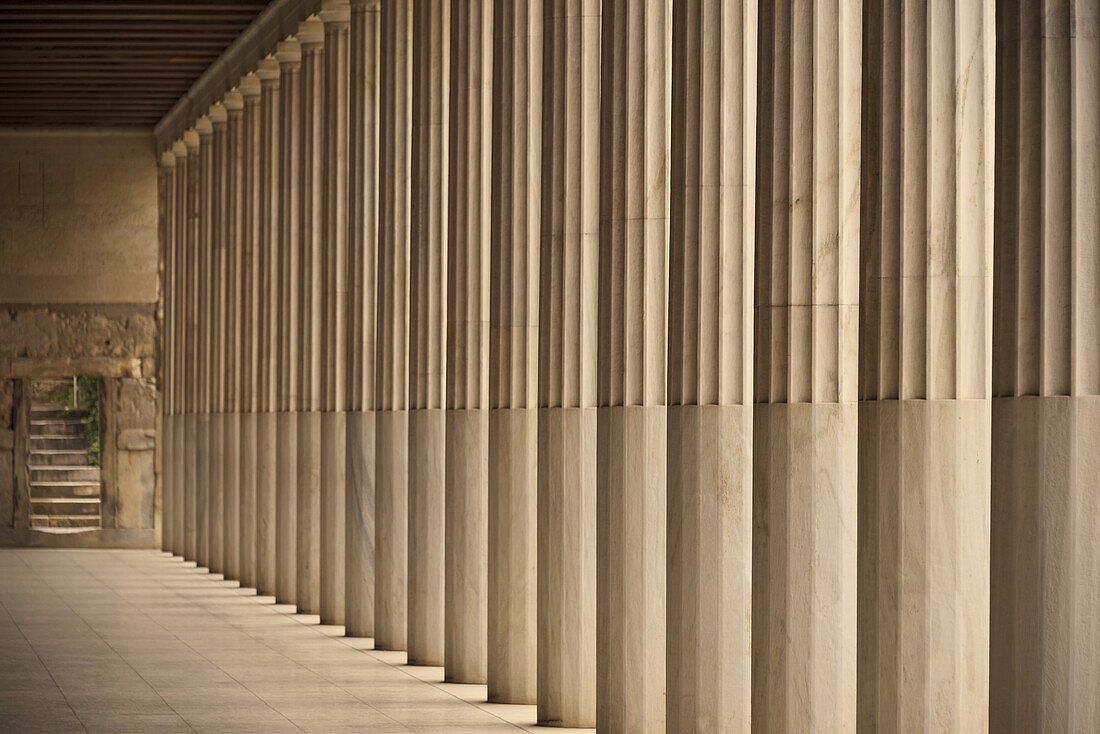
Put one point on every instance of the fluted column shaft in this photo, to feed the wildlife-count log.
(513, 350)
(311, 39)
(190, 348)
(335, 16)
(362, 306)
(466, 422)
(391, 387)
(631, 504)
(179, 150)
(712, 219)
(250, 330)
(167, 231)
(203, 258)
(427, 335)
(234, 203)
(289, 354)
(926, 328)
(1045, 564)
(266, 321)
(804, 438)
(216, 373)
(568, 282)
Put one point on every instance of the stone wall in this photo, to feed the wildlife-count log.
(78, 295)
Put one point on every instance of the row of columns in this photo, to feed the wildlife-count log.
(676, 366)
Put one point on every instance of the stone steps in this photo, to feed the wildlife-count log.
(65, 491)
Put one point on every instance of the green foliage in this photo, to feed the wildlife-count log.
(88, 392)
(63, 394)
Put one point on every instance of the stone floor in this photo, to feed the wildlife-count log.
(138, 641)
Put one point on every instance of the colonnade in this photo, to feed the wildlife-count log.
(676, 366)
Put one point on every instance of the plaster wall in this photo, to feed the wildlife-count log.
(79, 287)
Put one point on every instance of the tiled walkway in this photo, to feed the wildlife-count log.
(138, 641)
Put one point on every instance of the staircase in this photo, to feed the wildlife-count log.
(64, 488)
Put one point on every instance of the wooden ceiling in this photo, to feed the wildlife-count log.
(108, 62)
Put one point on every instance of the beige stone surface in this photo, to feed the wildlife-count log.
(78, 216)
(363, 125)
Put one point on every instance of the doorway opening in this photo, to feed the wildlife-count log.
(63, 454)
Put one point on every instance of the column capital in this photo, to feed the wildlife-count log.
(204, 127)
(168, 159)
(311, 33)
(233, 102)
(179, 149)
(335, 14)
(217, 115)
(249, 87)
(191, 140)
(289, 54)
(267, 70)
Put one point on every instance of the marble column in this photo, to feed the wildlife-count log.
(631, 435)
(363, 114)
(926, 348)
(190, 348)
(335, 15)
(168, 335)
(712, 218)
(267, 242)
(391, 386)
(179, 151)
(250, 336)
(804, 501)
(289, 353)
(202, 340)
(216, 372)
(311, 39)
(568, 280)
(234, 220)
(466, 421)
(427, 320)
(513, 351)
(1045, 469)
